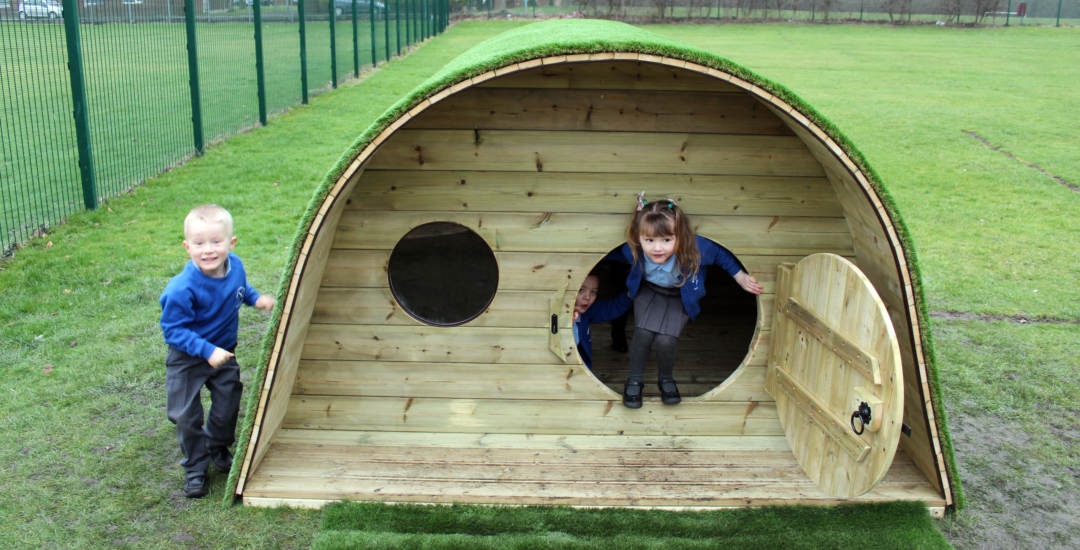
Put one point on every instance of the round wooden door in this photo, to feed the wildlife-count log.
(835, 373)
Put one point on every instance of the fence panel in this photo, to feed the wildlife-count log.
(138, 87)
(38, 151)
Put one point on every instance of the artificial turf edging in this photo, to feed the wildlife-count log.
(900, 525)
(574, 36)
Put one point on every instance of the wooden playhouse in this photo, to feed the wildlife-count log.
(506, 178)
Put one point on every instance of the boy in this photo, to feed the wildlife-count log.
(587, 311)
(199, 317)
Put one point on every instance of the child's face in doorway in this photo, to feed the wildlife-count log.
(586, 295)
(658, 248)
(208, 244)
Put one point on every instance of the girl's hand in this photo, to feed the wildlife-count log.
(265, 302)
(748, 283)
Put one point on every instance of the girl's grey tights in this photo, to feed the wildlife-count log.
(643, 340)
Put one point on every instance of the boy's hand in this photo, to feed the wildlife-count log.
(265, 302)
(219, 357)
(748, 283)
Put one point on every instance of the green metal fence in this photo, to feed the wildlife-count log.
(98, 95)
(945, 12)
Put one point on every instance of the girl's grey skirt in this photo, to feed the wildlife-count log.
(659, 309)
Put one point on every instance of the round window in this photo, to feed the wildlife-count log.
(443, 273)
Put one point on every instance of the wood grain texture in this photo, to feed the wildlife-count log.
(607, 152)
(490, 108)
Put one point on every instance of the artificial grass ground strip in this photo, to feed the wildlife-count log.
(898, 525)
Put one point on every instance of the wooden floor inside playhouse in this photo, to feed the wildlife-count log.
(314, 467)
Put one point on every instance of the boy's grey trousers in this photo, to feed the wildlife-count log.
(185, 376)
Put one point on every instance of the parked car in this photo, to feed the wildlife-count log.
(345, 6)
(40, 8)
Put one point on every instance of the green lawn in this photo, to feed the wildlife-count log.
(87, 458)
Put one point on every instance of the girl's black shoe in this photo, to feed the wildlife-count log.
(631, 395)
(669, 392)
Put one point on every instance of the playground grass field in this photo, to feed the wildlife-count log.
(972, 130)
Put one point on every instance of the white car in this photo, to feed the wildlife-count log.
(40, 8)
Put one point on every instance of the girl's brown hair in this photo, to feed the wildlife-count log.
(664, 218)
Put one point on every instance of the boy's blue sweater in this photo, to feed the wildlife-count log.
(199, 313)
(694, 289)
(602, 310)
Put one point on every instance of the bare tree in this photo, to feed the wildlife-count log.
(952, 9)
(898, 10)
(984, 7)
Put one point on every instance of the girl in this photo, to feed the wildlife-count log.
(666, 282)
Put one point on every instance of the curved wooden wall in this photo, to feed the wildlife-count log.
(542, 160)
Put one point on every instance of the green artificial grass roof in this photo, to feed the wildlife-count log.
(583, 36)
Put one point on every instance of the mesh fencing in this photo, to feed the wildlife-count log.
(96, 96)
(948, 12)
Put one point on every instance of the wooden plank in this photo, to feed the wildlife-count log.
(593, 192)
(611, 75)
(538, 416)
(448, 380)
(377, 306)
(470, 380)
(599, 233)
(609, 152)
(818, 412)
(461, 344)
(517, 270)
(488, 108)
(439, 443)
(838, 343)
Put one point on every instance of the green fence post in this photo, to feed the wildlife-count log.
(78, 103)
(397, 25)
(386, 29)
(408, 23)
(193, 77)
(355, 41)
(374, 49)
(1058, 24)
(303, 52)
(333, 43)
(1008, 11)
(260, 66)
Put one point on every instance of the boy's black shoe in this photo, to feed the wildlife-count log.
(195, 487)
(631, 395)
(221, 459)
(669, 392)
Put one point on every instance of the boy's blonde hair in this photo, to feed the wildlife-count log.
(209, 213)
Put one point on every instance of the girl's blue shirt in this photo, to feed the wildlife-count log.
(666, 274)
(694, 289)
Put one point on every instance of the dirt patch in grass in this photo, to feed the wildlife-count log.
(1031, 165)
(1018, 319)
(1013, 500)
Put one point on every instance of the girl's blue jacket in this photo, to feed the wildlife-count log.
(694, 289)
(601, 310)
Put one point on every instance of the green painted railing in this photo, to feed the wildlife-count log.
(96, 96)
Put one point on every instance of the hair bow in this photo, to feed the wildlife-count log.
(641, 202)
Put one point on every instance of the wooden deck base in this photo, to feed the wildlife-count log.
(314, 467)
